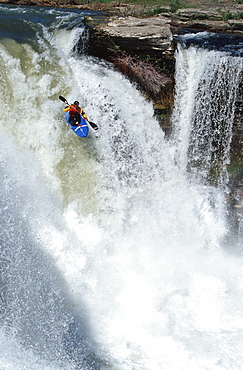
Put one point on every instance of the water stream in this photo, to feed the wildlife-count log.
(113, 248)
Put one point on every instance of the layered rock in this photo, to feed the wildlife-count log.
(134, 35)
(149, 40)
(228, 20)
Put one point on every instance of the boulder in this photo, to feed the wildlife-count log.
(236, 24)
(192, 13)
(202, 25)
(140, 36)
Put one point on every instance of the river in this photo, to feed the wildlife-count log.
(117, 252)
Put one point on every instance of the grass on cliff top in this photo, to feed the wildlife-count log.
(169, 3)
(154, 7)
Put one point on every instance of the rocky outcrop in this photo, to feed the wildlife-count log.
(154, 35)
(209, 20)
(149, 44)
(152, 39)
(137, 35)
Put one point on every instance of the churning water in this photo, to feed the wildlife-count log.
(113, 252)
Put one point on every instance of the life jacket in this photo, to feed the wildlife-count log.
(73, 111)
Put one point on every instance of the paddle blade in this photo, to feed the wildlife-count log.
(94, 126)
(62, 99)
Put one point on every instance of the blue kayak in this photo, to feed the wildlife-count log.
(82, 129)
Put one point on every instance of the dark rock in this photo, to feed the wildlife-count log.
(192, 13)
(149, 36)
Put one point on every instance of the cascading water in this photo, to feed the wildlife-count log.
(204, 122)
(111, 256)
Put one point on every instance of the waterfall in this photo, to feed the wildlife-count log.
(113, 248)
(206, 92)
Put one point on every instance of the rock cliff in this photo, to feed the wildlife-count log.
(152, 37)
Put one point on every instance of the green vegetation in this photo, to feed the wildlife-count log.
(155, 7)
(226, 15)
(157, 4)
(148, 73)
(236, 169)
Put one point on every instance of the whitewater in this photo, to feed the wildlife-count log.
(113, 254)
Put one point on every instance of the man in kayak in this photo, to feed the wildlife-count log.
(74, 112)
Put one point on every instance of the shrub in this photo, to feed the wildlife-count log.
(144, 72)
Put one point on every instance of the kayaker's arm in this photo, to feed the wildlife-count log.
(84, 115)
(66, 109)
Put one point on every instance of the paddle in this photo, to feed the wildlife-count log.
(93, 125)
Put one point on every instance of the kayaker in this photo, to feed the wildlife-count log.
(74, 112)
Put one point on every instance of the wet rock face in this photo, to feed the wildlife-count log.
(139, 47)
(146, 33)
(151, 36)
(237, 139)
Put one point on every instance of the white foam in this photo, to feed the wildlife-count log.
(139, 248)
